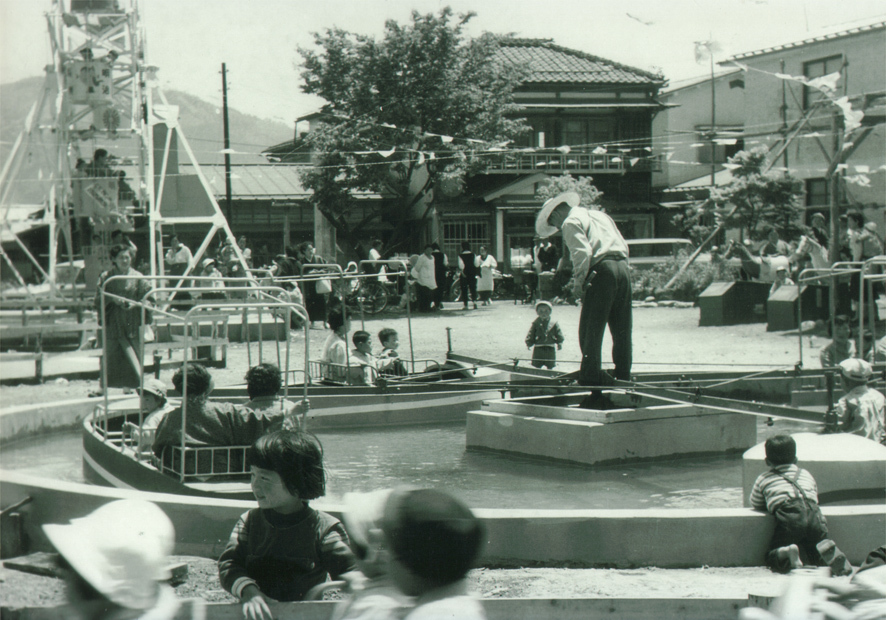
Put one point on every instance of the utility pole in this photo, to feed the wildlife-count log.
(228, 207)
(713, 133)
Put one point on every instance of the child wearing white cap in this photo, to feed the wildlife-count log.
(544, 335)
(115, 561)
(861, 410)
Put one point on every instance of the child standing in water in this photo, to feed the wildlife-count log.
(544, 334)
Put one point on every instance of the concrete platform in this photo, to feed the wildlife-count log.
(555, 428)
(846, 468)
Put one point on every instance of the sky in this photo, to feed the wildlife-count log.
(258, 39)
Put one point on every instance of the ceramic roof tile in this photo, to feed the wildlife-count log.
(552, 63)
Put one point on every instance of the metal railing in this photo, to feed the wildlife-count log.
(269, 297)
(867, 277)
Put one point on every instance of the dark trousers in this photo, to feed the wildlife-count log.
(468, 284)
(607, 301)
(424, 296)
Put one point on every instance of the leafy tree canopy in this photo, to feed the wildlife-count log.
(753, 200)
(583, 186)
(411, 111)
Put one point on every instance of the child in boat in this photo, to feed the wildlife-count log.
(263, 383)
(362, 361)
(154, 407)
(373, 594)
(433, 540)
(543, 336)
(790, 493)
(862, 408)
(841, 347)
(335, 351)
(388, 361)
(283, 548)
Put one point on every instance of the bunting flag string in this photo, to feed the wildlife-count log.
(825, 84)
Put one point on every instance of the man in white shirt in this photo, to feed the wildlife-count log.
(178, 257)
(601, 279)
(425, 280)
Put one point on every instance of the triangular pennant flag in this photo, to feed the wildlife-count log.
(634, 161)
(446, 139)
(564, 149)
(387, 154)
(599, 151)
(825, 83)
(421, 159)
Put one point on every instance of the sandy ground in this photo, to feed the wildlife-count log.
(19, 589)
(664, 339)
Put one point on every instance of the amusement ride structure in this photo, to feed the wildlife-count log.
(98, 155)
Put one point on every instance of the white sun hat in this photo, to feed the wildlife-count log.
(121, 549)
(542, 227)
(856, 369)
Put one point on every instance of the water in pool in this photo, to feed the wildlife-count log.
(435, 456)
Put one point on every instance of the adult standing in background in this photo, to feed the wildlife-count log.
(243, 244)
(178, 257)
(548, 256)
(486, 263)
(425, 280)
(467, 267)
(440, 264)
(122, 319)
(315, 301)
(602, 280)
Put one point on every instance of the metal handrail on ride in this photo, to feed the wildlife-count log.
(403, 269)
(869, 279)
(274, 301)
(815, 275)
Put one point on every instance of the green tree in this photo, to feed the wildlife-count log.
(412, 111)
(583, 186)
(753, 200)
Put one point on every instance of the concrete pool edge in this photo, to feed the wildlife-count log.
(666, 538)
(624, 538)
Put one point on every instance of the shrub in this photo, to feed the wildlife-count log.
(691, 282)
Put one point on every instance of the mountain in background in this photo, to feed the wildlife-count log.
(200, 120)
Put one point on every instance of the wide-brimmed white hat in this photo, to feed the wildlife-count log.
(542, 227)
(121, 549)
(856, 369)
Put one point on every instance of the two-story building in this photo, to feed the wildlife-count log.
(774, 104)
(589, 116)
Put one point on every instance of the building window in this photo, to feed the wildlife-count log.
(475, 232)
(817, 192)
(818, 68)
(724, 146)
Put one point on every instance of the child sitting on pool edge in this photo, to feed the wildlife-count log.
(280, 550)
(433, 540)
(790, 494)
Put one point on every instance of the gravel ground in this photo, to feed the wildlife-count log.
(664, 339)
(19, 589)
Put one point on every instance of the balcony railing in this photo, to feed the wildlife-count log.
(522, 163)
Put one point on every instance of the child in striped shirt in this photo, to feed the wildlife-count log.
(790, 494)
